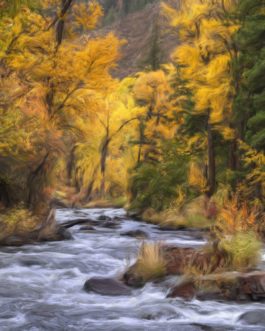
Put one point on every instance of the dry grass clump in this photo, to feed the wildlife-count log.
(150, 262)
(236, 217)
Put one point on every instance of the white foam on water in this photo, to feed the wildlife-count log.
(43, 284)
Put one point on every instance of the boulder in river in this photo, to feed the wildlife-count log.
(231, 286)
(185, 290)
(52, 231)
(106, 286)
(254, 317)
(176, 260)
(109, 224)
(104, 218)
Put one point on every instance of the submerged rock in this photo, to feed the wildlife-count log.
(136, 234)
(185, 290)
(109, 224)
(104, 218)
(106, 286)
(62, 234)
(87, 228)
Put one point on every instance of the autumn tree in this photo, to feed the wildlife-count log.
(56, 78)
(205, 55)
(151, 91)
(103, 157)
(12, 7)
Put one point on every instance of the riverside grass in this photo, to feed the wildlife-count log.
(243, 249)
(191, 215)
(150, 262)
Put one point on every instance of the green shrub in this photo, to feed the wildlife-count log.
(243, 249)
(158, 184)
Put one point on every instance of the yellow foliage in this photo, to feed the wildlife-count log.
(19, 221)
(236, 217)
(255, 178)
(196, 177)
(152, 93)
(114, 118)
(55, 90)
(87, 15)
(205, 53)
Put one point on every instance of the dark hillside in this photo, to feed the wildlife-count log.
(145, 30)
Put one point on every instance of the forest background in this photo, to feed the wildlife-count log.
(168, 121)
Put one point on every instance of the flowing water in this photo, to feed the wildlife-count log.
(41, 286)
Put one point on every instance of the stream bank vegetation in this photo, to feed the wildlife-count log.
(210, 173)
(180, 144)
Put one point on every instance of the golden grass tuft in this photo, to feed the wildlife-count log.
(236, 217)
(150, 262)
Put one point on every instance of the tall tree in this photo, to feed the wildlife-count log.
(205, 56)
(250, 101)
(55, 81)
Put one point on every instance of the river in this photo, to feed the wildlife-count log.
(41, 286)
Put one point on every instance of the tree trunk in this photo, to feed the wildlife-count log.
(103, 160)
(35, 183)
(233, 157)
(90, 187)
(141, 141)
(211, 162)
(4, 194)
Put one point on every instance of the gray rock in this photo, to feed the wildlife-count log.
(106, 286)
(63, 234)
(255, 317)
(109, 225)
(104, 218)
(136, 234)
(87, 228)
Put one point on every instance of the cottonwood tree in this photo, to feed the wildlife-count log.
(56, 72)
(104, 156)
